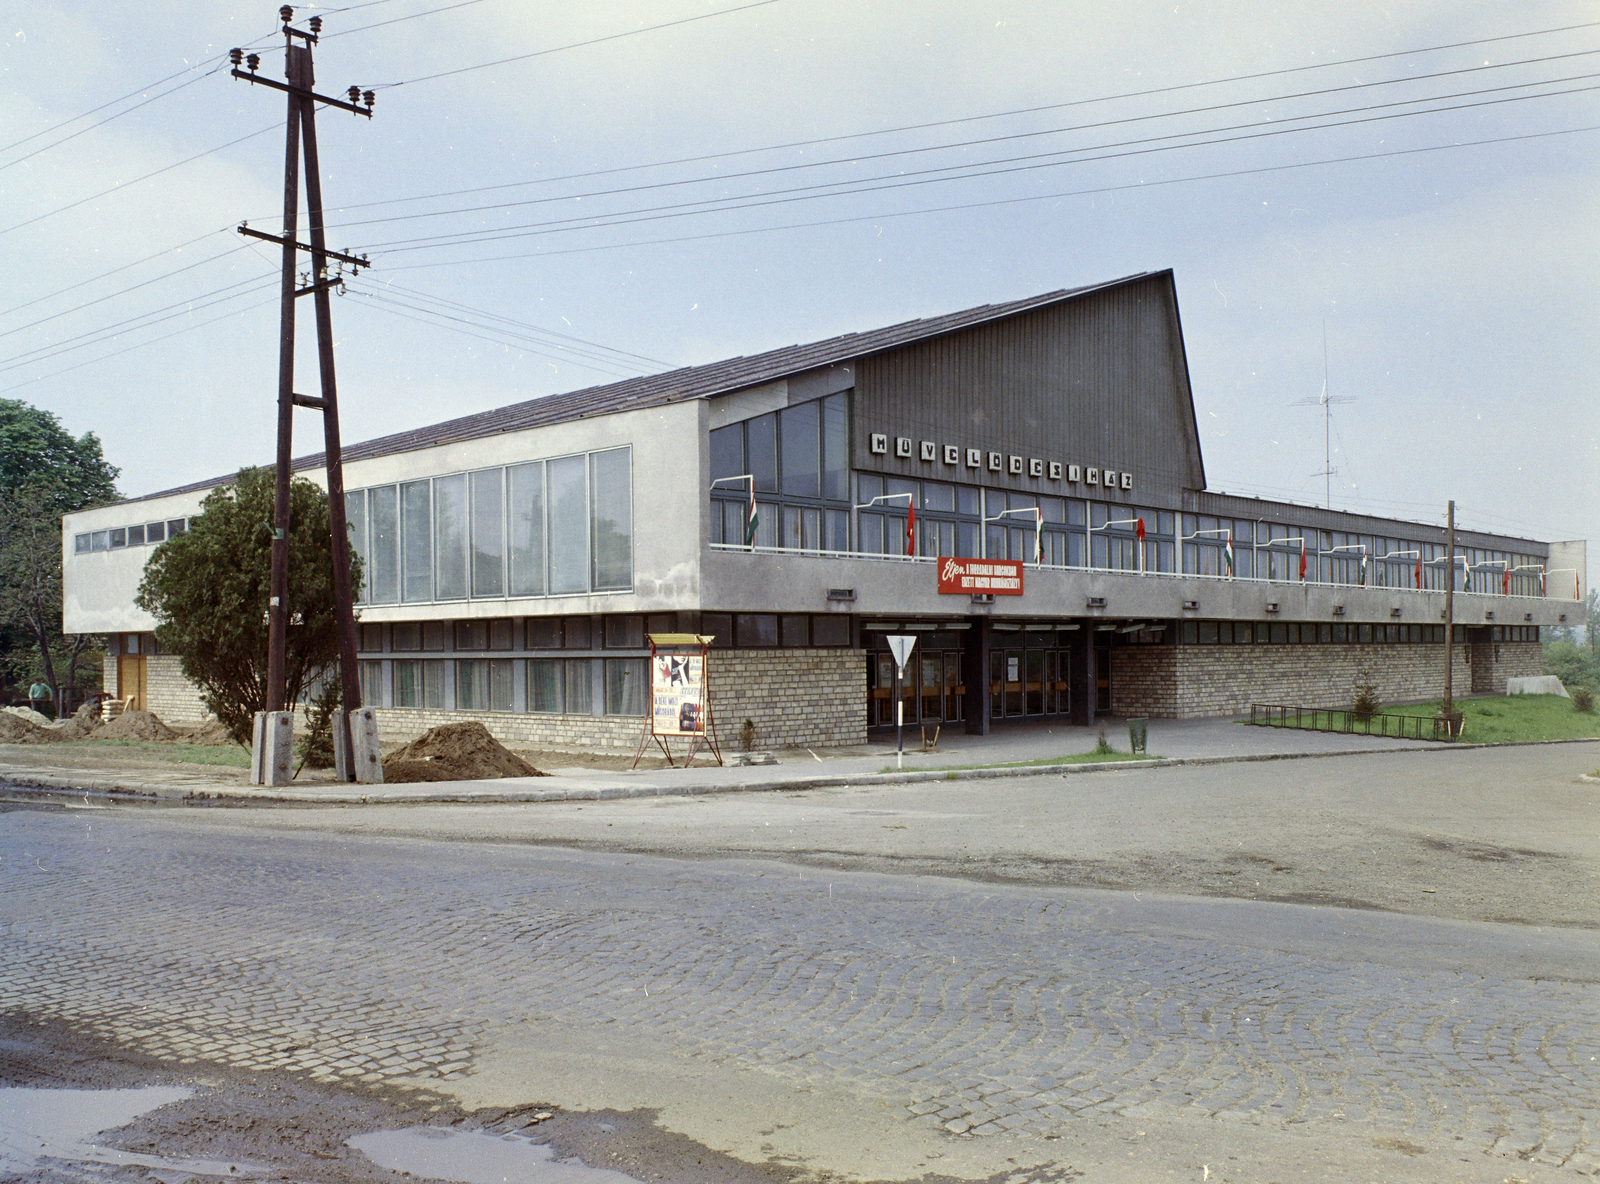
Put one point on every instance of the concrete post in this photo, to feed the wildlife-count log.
(975, 675)
(272, 748)
(366, 767)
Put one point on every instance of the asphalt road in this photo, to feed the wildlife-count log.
(1223, 973)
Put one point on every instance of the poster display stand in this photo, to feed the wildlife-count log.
(680, 704)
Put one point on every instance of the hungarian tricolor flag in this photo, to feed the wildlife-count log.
(1227, 555)
(752, 519)
(1541, 582)
(1363, 567)
(1419, 571)
(1038, 537)
(911, 531)
(1302, 561)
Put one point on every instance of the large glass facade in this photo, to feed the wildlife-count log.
(547, 527)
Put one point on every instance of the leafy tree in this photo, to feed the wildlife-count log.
(44, 473)
(208, 587)
(1575, 665)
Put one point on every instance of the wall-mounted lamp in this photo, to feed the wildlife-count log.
(841, 593)
(1338, 610)
(1489, 615)
(1191, 605)
(1272, 606)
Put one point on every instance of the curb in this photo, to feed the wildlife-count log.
(53, 785)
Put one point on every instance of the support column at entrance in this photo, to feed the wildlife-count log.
(1081, 675)
(975, 676)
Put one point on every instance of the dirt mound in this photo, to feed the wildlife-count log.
(213, 733)
(135, 725)
(455, 752)
(29, 714)
(77, 729)
(14, 729)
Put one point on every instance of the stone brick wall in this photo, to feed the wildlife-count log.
(816, 698)
(563, 733)
(173, 697)
(1515, 659)
(1202, 680)
(812, 697)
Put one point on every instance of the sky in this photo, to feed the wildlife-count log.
(1392, 206)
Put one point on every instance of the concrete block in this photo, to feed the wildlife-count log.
(366, 757)
(1541, 684)
(272, 748)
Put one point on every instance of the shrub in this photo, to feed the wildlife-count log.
(316, 748)
(1364, 699)
(1102, 745)
(1583, 700)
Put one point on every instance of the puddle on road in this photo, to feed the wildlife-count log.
(39, 1124)
(476, 1157)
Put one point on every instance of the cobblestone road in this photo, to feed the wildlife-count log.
(978, 1009)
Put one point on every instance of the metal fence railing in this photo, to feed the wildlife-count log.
(1331, 719)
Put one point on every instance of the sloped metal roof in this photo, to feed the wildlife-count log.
(674, 386)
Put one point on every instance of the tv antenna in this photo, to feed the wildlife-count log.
(1326, 402)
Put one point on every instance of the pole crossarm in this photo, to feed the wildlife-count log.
(1115, 522)
(354, 260)
(887, 497)
(302, 92)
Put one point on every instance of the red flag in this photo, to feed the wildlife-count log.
(1302, 561)
(911, 531)
(1138, 530)
(1505, 582)
(1419, 570)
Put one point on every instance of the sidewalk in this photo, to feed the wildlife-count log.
(1170, 742)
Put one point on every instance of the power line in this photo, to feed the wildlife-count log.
(107, 274)
(413, 16)
(778, 169)
(142, 344)
(526, 325)
(885, 216)
(806, 193)
(431, 317)
(122, 292)
(139, 180)
(71, 343)
(987, 116)
(539, 53)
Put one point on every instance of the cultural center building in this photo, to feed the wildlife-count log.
(1018, 485)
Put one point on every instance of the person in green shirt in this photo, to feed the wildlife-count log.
(38, 693)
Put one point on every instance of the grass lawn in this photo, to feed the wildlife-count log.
(1487, 721)
(1075, 758)
(1515, 717)
(184, 754)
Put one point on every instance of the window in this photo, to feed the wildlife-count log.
(802, 457)
(501, 635)
(546, 682)
(472, 635)
(155, 532)
(611, 496)
(525, 517)
(371, 674)
(544, 633)
(418, 683)
(794, 630)
(450, 528)
(136, 536)
(119, 538)
(80, 544)
(579, 687)
(176, 526)
(484, 684)
(718, 627)
(756, 629)
(569, 527)
(488, 532)
(416, 509)
(406, 636)
(383, 545)
(627, 683)
(579, 633)
(830, 630)
(371, 639)
(355, 521)
(435, 635)
(624, 632)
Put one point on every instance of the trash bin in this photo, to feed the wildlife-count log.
(1138, 733)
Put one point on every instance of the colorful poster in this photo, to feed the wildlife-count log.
(998, 577)
(677, 695)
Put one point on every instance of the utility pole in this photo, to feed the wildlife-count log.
(1447, 704)
(275, 731)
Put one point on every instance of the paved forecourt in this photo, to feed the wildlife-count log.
(966, 1009)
